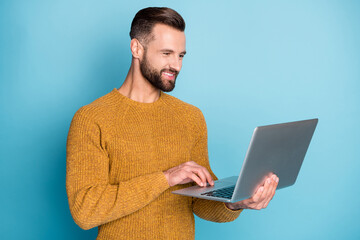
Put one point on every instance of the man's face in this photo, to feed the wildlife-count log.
(162, 59)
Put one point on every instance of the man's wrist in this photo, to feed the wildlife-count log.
(167, 177)
(233, 206)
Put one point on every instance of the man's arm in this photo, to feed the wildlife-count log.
(93, 200)
(224, 212)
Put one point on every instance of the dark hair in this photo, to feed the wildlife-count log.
(146, 18)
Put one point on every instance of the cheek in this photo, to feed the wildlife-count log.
(158, 62)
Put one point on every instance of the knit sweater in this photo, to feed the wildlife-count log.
(117, 151)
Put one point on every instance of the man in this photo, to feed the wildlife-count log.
(129, 149)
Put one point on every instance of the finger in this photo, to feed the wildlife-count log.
(181, 176)
(275, 184)
(208, 176)
(195, 178)
(252, 202)
(204, 170)
(272, 192)
(267, 193)
(255, 198)
(272, 189)
(200, 173)
(263, 197)
(196, 170)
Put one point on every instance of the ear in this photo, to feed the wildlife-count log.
(137, 49)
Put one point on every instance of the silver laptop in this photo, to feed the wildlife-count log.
(278, 148)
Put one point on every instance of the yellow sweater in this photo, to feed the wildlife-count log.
(117, 150)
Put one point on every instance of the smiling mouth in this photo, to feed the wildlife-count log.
(169, 74)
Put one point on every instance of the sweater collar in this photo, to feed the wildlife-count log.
(134, 103)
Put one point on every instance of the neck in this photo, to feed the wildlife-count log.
(136, 87)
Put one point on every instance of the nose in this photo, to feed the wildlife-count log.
(176, 63)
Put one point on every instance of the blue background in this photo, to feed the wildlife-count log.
(249, 63)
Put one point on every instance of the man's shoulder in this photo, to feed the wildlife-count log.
(184, 108)
(102, 107)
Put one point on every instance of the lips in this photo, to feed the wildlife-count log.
(169, 75)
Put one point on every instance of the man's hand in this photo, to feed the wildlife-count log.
(261, 198)
(188, 172)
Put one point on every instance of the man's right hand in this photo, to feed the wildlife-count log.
(188, 172)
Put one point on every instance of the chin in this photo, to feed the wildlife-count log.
(168, 85)
(167, 89)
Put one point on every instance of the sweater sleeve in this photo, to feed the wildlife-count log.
(209, 210)
(93, 201)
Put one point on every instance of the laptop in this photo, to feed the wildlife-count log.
(278, 149)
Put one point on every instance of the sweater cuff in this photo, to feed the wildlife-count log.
(236, 211)
(163, 183)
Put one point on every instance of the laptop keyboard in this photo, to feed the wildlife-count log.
(221, 193)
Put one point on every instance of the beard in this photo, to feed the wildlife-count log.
(154, 77)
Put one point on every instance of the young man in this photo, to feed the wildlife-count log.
(129, 149)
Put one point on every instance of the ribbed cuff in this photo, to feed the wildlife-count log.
(234, 210)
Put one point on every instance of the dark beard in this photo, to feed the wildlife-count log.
(155, 78)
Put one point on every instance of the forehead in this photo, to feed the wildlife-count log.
(167, 37)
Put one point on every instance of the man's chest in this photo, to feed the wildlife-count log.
(139, 148)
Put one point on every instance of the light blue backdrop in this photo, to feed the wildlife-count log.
(249, 63)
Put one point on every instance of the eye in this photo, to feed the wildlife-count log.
(181, 55)
(166, 53)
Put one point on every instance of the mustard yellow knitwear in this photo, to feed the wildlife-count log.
(117, 150)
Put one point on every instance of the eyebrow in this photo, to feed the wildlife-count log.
(169, 50)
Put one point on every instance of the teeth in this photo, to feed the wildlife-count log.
(169, 74)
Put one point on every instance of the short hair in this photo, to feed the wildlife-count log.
(145, 20)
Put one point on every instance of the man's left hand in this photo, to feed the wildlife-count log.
(261, 198)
